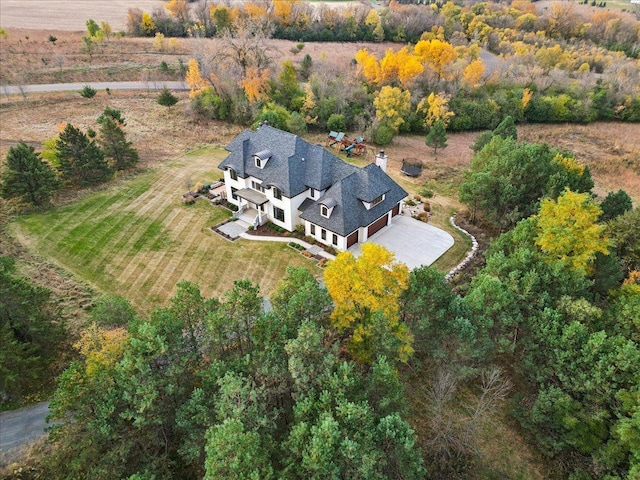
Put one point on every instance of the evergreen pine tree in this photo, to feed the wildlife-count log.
(81, 160)
(27, 177)
(113, 141)
(166, 98)
(437, 137)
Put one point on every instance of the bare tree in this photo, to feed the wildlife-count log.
(246, 46)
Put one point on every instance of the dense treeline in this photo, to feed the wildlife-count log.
(487, 61)
(31, 334)
(224, 389)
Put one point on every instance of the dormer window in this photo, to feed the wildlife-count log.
(262, 157)
(374, 202)
(327, 206)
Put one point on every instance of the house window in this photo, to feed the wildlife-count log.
(233, 174)
(277, 193)
(312, 229)
(335, 239)
(377, 200)
(278, 214)
(324, 211)
(312, 192)
(258, 163)
(256, 186)
(233, 193)
(323, 234)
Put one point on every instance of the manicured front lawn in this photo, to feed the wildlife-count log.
(137, 239)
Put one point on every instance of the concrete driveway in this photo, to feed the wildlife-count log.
(413, 242)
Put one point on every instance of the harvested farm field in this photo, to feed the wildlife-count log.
(69, 15)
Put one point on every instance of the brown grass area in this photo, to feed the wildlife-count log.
(70, 15)
(610, 150)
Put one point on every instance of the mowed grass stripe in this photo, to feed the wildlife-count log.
(137, 239)
(153, 270)
(171, 275)
(126, 261)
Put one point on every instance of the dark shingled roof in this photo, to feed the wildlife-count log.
(296, 166)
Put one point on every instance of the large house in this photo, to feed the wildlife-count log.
(276, 176)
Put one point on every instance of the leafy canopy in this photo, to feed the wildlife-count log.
(366, 291)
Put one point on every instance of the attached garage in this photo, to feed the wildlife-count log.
(352, 239)
(377, 225)
(396, 210)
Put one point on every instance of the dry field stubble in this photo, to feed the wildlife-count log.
(69, 15)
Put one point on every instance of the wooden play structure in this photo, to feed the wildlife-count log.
(342, 143)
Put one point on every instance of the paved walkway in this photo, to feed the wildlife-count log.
(313, 249)
(413, 242)
(70, 87)
(20, 427)
(234, 229)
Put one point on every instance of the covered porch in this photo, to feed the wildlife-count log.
(252, 207)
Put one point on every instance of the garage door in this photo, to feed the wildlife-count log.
(396, 210)
(377, 225)
(352, 239)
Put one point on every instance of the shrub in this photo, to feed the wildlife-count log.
(336, 122)
(210, 105)
(296, 124)
(382, 135)
(88, 92)
(426, 192)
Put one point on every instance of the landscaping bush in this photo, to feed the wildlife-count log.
(382, 135)
(336, 122)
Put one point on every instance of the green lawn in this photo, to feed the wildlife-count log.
(137, 239)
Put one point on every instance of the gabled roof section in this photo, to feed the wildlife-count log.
(295, 166)
(349, 212)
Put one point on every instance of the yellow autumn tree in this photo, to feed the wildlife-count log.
(308, 105)
(437, 55)
(368, 65)
(568, 230)
(147, 24)
(256, 84)
(255, 10)
(194, 79)
(436, 109)
(392, 105)
(527, 94)
(373, 21)
(178, 9)
(472, 73)
(282, 10)
(365, 291)
(102, 348)
(401, 66)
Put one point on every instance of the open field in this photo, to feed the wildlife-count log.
(69, 15)
(137, 239)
